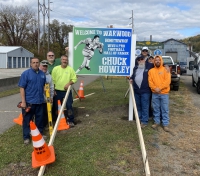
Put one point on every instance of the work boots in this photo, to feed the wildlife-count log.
(165, 128)
(155, 126)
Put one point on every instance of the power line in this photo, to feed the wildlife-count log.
(45, 12)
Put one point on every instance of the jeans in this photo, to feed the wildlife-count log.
(142, 103)
(160, 104)
(37, 111)
(60, 95)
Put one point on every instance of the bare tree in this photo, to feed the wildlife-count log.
(16, 24)
(59, 33)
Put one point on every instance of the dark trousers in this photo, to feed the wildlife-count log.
(60, 95)
(45, 115)
(36, 112)
(54, 109)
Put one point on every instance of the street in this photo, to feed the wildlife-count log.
(187, 80)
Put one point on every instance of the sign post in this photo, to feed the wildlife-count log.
(157, 52)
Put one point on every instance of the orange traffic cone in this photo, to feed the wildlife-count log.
(42, 154)
(63, 123)
(19, 119)
(81, 91)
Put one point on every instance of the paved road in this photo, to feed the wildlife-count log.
(8, 73)
(193, 92)
(8, 105)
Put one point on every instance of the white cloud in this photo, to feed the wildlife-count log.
(162, 20)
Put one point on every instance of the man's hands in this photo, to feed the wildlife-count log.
(157, 90)
(23, 105)
(66, 86)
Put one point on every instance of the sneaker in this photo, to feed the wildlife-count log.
(165, 128)
(46, 128)
(88, 68)
(26, 141)
(71, 124)
(44, 137)
(143, 125)
(155, 126)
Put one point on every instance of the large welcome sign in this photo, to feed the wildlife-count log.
(102, 51)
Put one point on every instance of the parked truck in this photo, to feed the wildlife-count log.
(196, 73)
(175, 71)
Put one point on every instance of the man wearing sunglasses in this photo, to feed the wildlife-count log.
(52, 62)
(44, 68)
(145, 52)
(142, 91)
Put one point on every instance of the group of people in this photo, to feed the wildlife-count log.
(151, 84)
(150, 79)
(59, 75)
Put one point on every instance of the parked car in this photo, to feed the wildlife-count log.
(183, 67)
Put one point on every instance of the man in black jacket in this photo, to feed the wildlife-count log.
(142, 91)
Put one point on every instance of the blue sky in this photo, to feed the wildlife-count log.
(179, 6)
(190, 31)
(161, 19)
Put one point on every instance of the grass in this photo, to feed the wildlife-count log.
(103, 143)
(9, 92)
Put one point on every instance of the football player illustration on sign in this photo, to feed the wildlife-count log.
(88, 50)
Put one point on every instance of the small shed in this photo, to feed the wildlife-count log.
(179, 51)
(14, 57)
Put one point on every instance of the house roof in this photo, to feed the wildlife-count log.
(174, 40)
(6, 49)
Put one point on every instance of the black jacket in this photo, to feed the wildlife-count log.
(144, 85)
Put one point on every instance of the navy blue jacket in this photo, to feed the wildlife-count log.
(145, 84)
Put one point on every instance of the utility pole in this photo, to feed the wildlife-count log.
(45, 11)
(38, 27)
(132, 22)
(48, 15)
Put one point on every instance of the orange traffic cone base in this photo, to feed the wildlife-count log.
(51, 159)
(63, 125)
(80, 97)
(81, 91)
(18, 120)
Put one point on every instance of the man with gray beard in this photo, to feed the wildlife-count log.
(142, 91)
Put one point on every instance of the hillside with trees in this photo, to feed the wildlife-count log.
(19, 27)
(194, 42)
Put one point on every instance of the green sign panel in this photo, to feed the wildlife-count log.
(150, 44)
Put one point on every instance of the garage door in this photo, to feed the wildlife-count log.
(173, 55)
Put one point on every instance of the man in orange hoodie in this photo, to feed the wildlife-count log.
(159, 81)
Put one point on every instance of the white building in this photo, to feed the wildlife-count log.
(14, 57)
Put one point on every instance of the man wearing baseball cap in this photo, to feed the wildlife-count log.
(142, 91)
(44, 67)
(145, 53)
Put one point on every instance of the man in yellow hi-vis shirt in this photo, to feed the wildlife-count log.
(63, 76)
